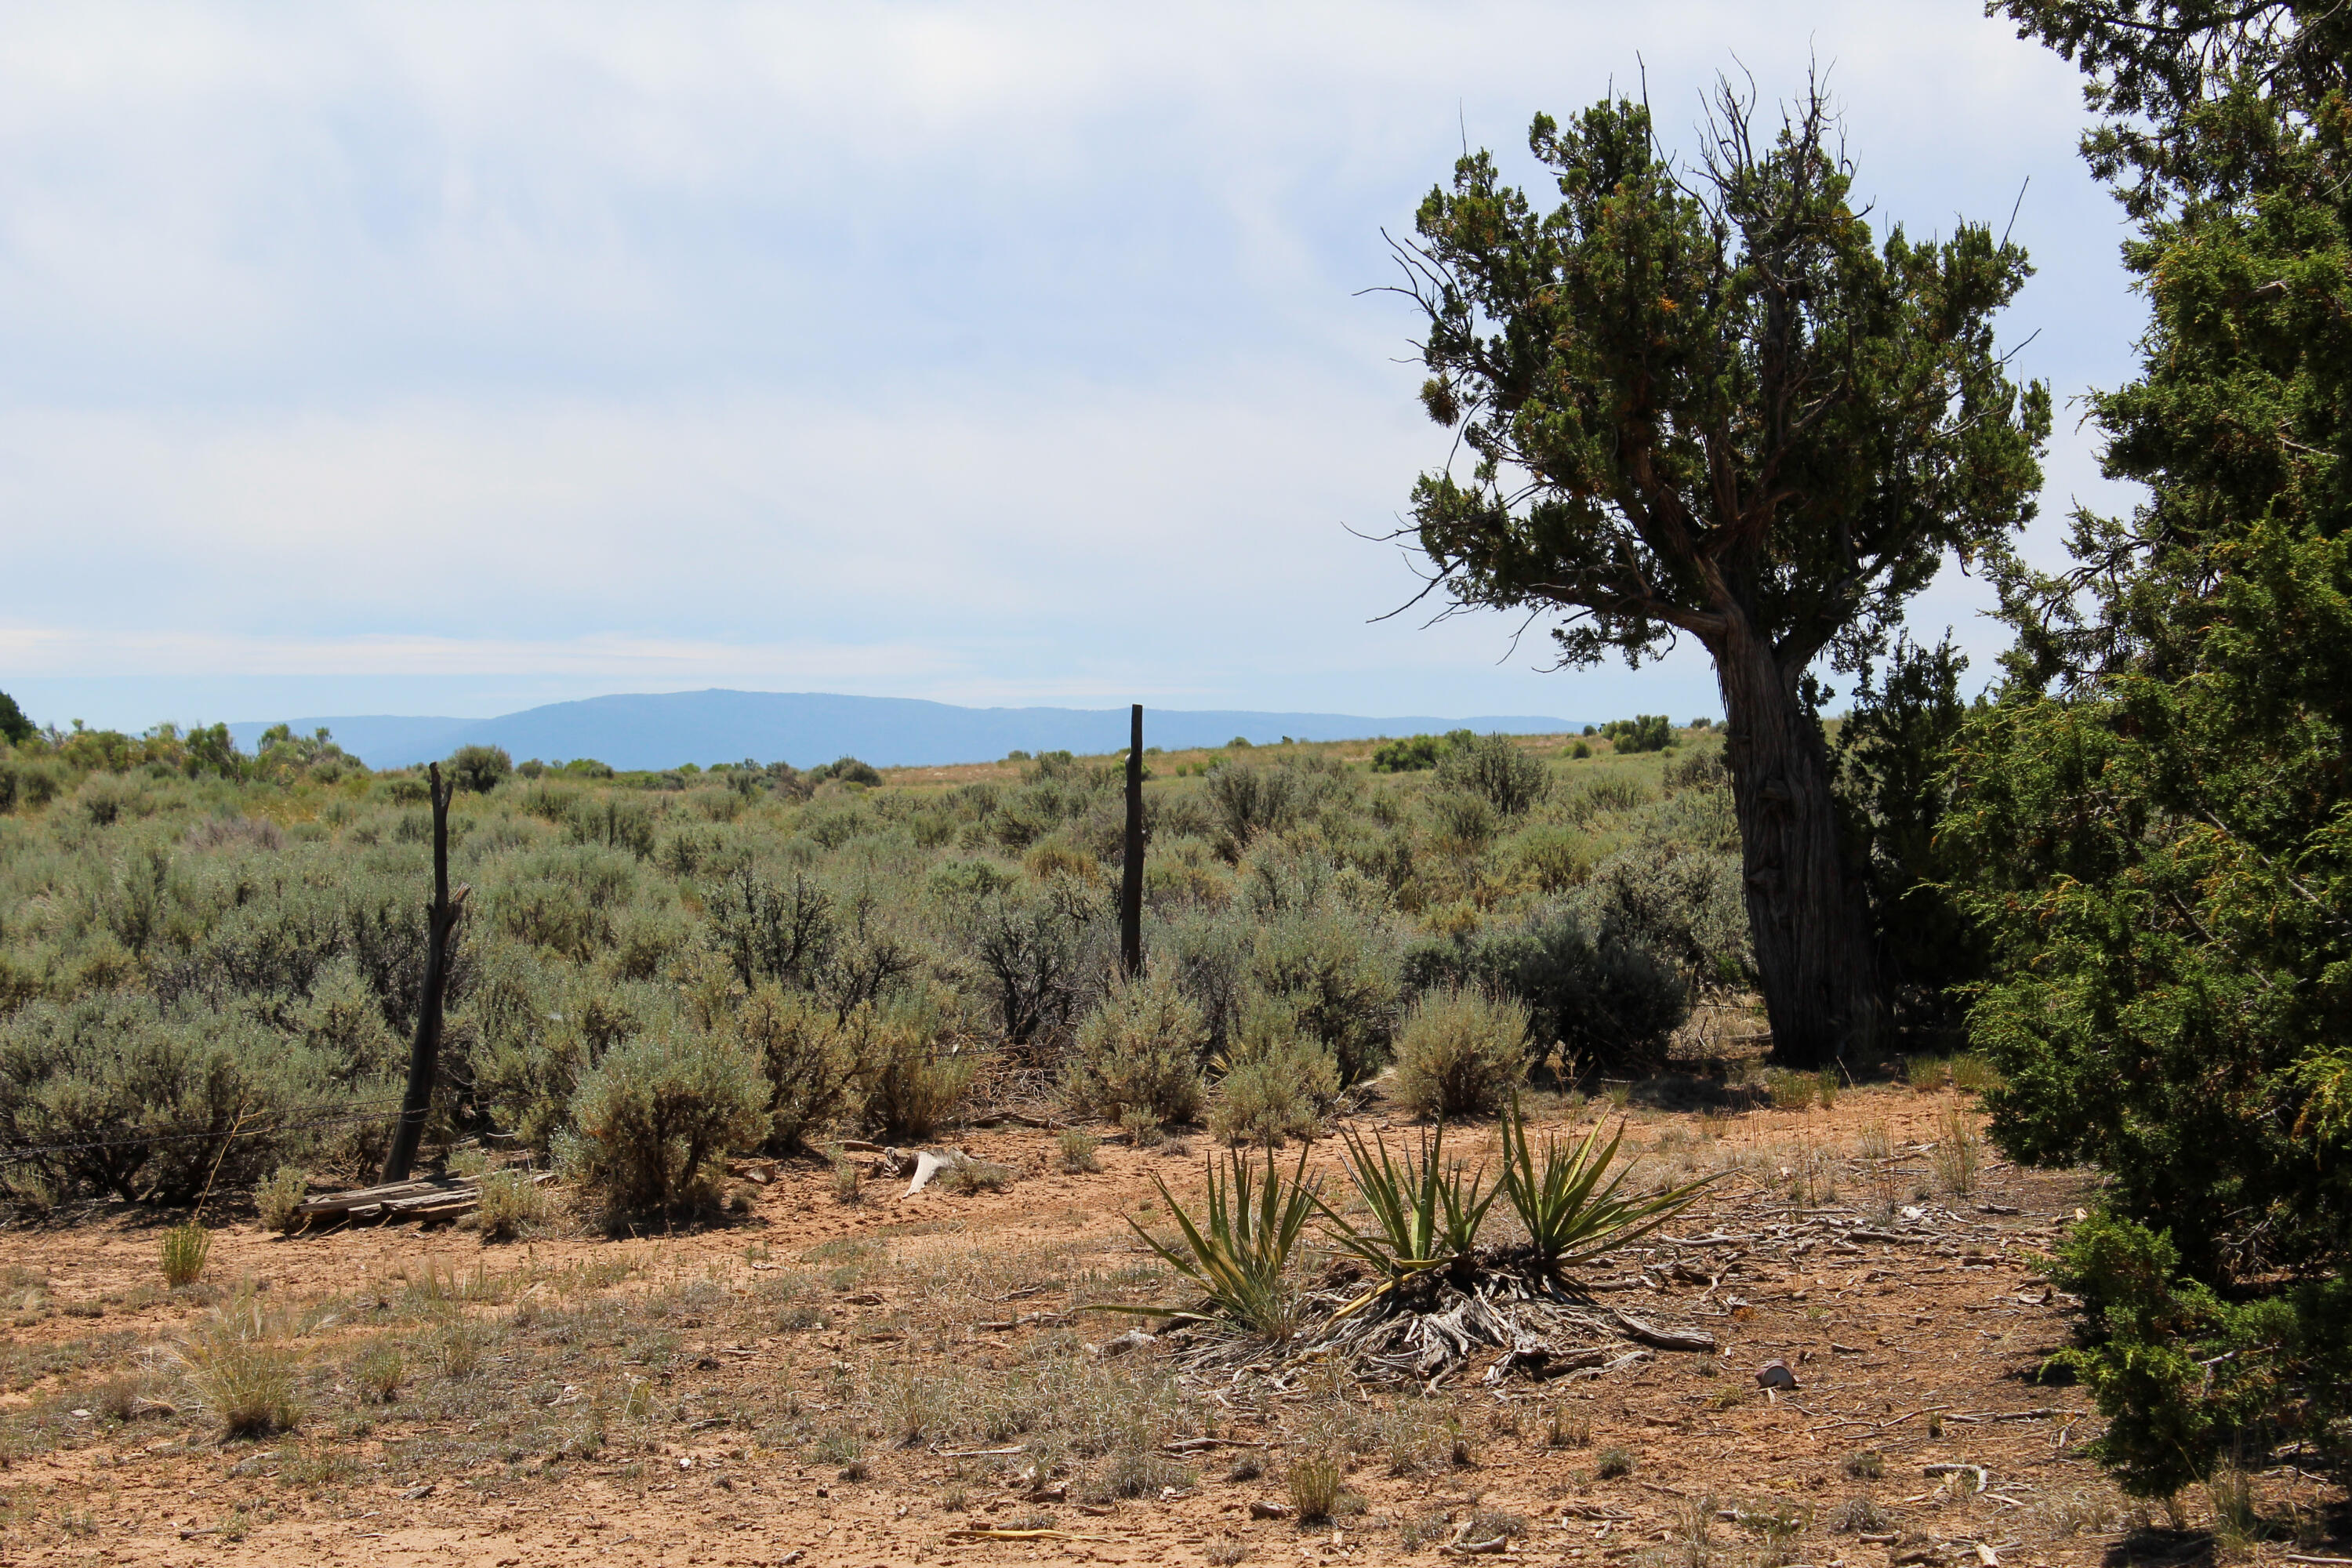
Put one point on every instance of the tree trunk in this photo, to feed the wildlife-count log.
(1807, 919)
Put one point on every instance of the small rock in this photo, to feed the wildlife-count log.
(1261, 1508)
(1775, 1375)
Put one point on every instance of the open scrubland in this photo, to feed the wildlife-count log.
(794, 955)
(723, 1007)
(877, 1381)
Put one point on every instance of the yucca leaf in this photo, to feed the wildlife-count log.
(1238, 1263)
(1570, 1217)
(1427, 1213)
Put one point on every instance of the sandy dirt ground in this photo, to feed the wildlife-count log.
(882, 1380)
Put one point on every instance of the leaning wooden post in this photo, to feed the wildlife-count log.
(1130, 877)
(424, 1053)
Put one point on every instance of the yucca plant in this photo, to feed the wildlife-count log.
(1569, 1214)
(1428, 1213)
(1239, 1260)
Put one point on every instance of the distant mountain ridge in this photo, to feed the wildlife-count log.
(804, 727)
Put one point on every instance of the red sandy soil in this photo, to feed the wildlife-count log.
(1920, 1350)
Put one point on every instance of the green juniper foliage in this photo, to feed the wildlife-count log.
(2157, 800)
(1415, 752)
(1892, 753)
(15, 727)
(1627, 371)
(1643, 732)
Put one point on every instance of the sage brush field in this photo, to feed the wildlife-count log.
(209, 965)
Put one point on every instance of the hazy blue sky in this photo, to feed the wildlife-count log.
(451, 358)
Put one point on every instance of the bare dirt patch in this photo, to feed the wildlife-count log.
(900, 1380)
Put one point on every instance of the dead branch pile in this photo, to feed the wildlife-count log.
(1440, 1322)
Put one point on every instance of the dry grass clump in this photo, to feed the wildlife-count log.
(314, 1468)
(1777, 1527)
(1974, 1073)
(1425, 1529)
(1495, 1524)
(186, 1249)
(1314, 1484)
(2073, 1513)
(970, 1176)
(243, 1371)
(1813, 1176)
(1958, 1153)
(848, 1181)
(377, 1374)
(457, 1349)
(1873, 1141)
(1423, 1436)
(1692, 1521)
(1134, 1472)
(1925, 1074)
(2238, 1523)
(1861, 1516)
(1564, 1430)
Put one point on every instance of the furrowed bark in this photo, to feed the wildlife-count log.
(1809, 921)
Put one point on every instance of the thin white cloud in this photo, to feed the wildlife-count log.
(943, 349)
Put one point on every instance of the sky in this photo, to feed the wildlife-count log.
(418, 358)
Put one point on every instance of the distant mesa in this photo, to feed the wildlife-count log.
(807, 727)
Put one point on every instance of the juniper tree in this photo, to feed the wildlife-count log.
(1708, 402)
(2158, 807)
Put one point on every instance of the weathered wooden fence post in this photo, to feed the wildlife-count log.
(424, 1052)
(1131, 879)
